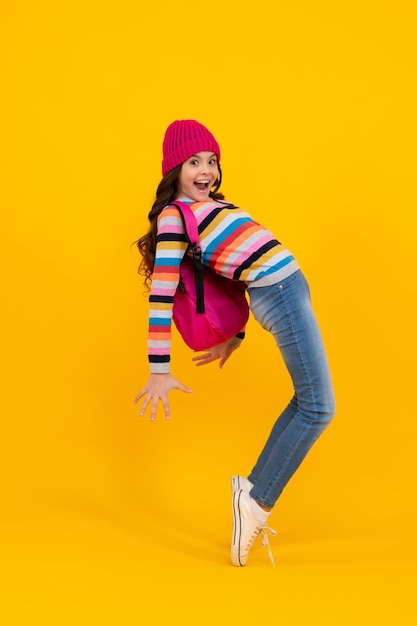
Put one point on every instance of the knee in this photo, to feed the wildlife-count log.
(327, 410)
(320, 414)
(330, 414)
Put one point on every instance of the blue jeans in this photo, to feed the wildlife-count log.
(285, 311)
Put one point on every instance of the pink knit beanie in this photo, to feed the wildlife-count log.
(183, 138)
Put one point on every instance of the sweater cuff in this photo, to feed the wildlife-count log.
(236, 341)
(159, 368)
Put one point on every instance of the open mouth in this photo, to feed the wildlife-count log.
(202, 185)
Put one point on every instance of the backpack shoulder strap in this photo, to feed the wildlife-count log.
(189, 220)
(191, 230)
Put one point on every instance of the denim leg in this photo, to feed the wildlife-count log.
(285, 310)
(280, 425)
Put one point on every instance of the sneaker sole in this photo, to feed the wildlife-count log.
(237, 528)
(236, 483)
(239, 483)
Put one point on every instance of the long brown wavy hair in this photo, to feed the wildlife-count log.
(165, 194)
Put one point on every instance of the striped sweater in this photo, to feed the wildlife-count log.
(232, 244)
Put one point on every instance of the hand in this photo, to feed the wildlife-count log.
(157, 388)
(222, 352)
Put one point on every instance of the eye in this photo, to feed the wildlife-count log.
(193, 162)
(213, 161)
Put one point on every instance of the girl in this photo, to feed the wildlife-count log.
(237, 247)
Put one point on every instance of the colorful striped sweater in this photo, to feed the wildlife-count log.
(232, 244)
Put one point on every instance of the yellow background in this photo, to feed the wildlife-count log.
(106, 518)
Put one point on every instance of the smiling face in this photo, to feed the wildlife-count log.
(197, 176)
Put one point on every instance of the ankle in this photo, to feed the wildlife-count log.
(265, 508)
(260, 513)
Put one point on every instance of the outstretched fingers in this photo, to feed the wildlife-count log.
(203, 358)
(157, 390)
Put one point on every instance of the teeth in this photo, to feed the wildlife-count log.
(201, 182)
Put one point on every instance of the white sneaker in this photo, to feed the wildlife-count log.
(246, 529)
(239, 482)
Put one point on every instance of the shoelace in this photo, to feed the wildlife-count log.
(265, 541)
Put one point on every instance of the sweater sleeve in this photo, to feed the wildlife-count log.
(171, 245)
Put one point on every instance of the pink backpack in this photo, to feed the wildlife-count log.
(209, 309)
